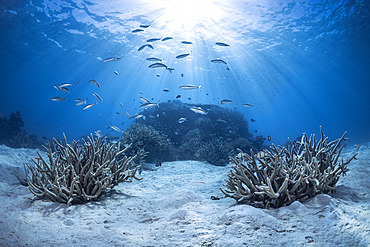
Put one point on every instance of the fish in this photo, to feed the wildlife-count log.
(269, 138)
(198, 110)
(116, 128)
(62, 89)
(117, 112)
(140, 93)
(150, 46)
(154, 59)
(357, 146)
(147, 105)
(145, 25)
(221, 120)
(142, 47)
(182, 55)
(166, 90)
(99, 134)
(152, 40)
(94, 82)
(145, 100)
(182, 75)
(111, 59)
(58, 99)
(170, 69)
(99, 115)
(218, 61)
(65, 85)
(181, 120)
(252, 120)
(158, 75)
(97, 96)
(186, 42)
(127, 115)
(261, 155)
(157, 65)
(77, 83)
(247, 105)
(178, 96)
(166, 38)
(115, 72)
(221, 44)
(121, 104)
(189, 86)
(80, 102)
(225, 101)
(137, 30)
(137, 116)
(88, 106)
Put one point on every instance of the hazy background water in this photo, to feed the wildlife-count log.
(301, 64)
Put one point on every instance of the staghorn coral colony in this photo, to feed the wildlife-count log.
(75, 173)
(280, 176)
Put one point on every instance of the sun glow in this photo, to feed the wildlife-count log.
(189, 15)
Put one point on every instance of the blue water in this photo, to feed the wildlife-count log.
(301, 64)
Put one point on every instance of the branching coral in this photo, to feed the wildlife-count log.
(78, 173)
(283, 175)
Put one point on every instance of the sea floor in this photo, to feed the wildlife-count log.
(172, 206)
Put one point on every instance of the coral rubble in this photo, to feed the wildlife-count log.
(282, 175)
(78, 173)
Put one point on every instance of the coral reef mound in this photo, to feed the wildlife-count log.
(282, 175)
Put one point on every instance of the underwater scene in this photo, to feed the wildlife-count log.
(184, 123)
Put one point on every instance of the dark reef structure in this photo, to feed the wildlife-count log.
(279, 176)
(12, 134)
(210, 137)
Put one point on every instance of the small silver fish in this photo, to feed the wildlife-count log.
(189, 86)
(115, 72)
(158, 75)
(178, 96)
(154, 59)
(166, 90)
(225, 101)
(157, 65)
(111, 59)
(127, 115)
(121, 104)
(269, 138)
(97, 96)
(88, 106)
(64, 89)
(137, 116)
(247, 105)
(80, 102)
(144, 25)
(181, 120)
(218, 61)
(142, 47)
(221, 120)
(357, 146)
(182, 55)
(221, 44)
(198, 110)
(145, 100)
(152, 40)
(98, 133)
(58, 99)
(148, 105)
(94, 82)
(116, 128)
(186, 42)
(65, 85)
(166, 38)
(137, 30)
(99, 115)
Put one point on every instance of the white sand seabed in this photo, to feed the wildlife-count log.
(171, 206)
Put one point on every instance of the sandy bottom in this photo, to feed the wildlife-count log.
(172, 206)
